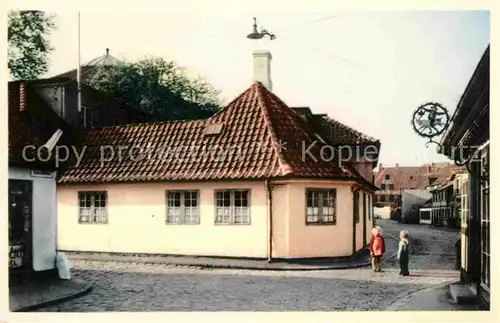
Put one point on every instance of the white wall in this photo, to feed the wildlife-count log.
(383, 212)
(414, 197)
(43, 217)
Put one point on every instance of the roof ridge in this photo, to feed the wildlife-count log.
(220, 111)
(269, 125)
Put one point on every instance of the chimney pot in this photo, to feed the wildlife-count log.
(262, 68)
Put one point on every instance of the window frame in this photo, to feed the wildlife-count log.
(321, 221)
(92, 207)
(183, 206)
(232, 205)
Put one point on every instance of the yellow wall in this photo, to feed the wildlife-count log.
(319, 240)
(136, 222)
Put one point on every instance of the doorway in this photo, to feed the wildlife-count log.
(20, 229)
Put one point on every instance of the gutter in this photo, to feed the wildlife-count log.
(270, 219)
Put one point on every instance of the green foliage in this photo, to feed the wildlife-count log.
(28, 47)
(158, 87)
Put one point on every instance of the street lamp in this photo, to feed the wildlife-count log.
(255, 34)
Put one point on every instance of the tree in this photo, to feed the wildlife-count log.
(158, 87)
(28, 48)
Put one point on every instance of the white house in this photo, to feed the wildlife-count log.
(32, 185)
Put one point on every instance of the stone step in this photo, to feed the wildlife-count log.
(463, 293)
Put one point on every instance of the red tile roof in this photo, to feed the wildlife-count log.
(260, 136)
(409, 177)
(337, 133)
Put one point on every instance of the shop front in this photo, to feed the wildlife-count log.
(20, 229)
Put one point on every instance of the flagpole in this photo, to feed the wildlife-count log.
(78, 75)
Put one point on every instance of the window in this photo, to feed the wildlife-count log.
(391, 186)
(464, 207)
(382, 198)
(320, 206)
(92, 207)
(232, 207)
(183, 207)
(387, 177)
(382, 186)
(391, 197)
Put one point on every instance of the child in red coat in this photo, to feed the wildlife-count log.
(377, 248)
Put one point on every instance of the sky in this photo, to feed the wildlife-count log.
(367, 69)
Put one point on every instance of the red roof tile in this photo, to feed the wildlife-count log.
(338, 133)
(404, 177)
(260, 136)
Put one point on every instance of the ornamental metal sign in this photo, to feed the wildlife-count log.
(430, 120)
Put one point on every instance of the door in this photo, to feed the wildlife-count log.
(20, 228)
(485, 224)
(464, 210)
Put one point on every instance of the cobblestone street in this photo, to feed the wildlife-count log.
(155, 287)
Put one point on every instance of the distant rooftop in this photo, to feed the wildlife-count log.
(106, 60)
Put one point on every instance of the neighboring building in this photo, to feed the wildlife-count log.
(233, 185)
(99, 109)
(470, 128)
(446, 201)
(411, 202)
(32, 184)
(392, 180)
(101, 62)
(383, 212)
(425, 213)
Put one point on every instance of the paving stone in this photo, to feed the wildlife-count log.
(120, 286)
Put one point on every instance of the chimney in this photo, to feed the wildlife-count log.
(397, 165)
(380, 166)
(262, 68)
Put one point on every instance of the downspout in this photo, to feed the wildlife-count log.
(270, 219)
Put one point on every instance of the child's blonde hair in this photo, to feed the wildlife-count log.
(404, 234)
(376, 229)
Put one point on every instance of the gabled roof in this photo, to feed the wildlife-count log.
(31, 122)
(255, 137)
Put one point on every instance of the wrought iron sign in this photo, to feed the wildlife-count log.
(430, 120)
